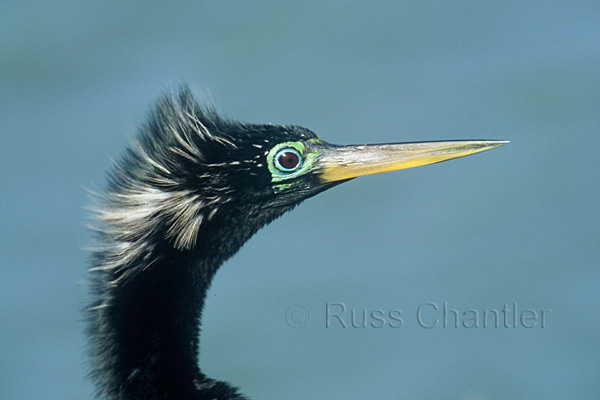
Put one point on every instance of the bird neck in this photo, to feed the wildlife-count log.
(148, 333)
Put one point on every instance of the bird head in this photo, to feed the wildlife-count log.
(204, 174)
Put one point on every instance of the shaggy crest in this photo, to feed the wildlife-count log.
(145, 193)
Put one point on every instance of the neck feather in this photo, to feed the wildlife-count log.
(145, 327)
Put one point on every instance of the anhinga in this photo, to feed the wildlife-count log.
(193, 189)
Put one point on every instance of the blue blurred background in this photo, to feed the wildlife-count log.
(520, 224)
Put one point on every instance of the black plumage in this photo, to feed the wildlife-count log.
(181, 201)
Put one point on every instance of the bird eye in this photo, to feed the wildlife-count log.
(287, 160)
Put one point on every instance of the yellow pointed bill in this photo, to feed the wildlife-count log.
(347, 162)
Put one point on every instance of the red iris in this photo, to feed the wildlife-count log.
(288, 160)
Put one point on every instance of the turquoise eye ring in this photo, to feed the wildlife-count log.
(289, 160)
